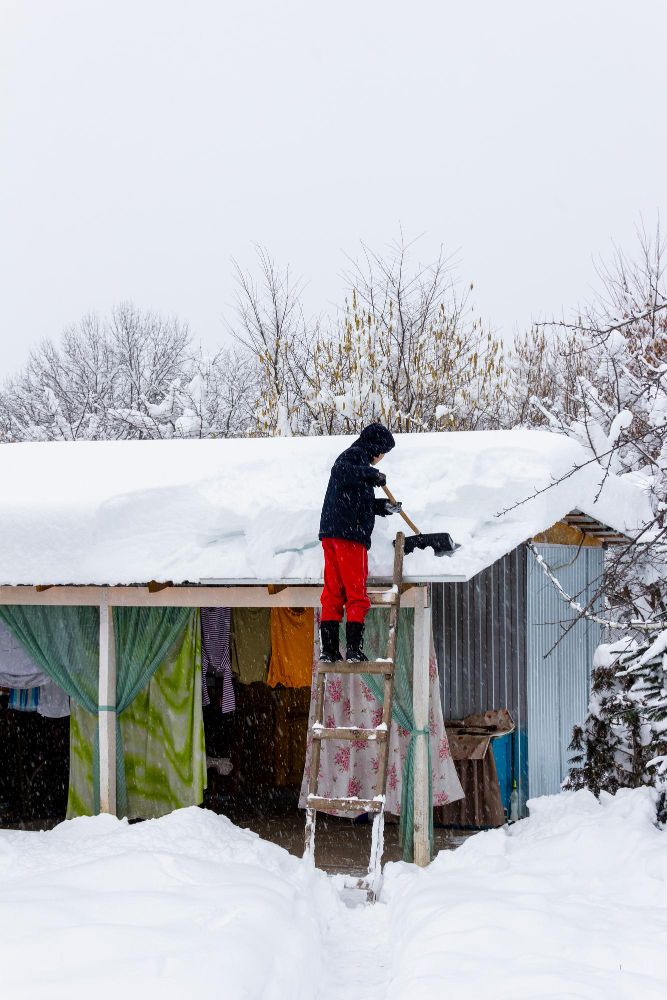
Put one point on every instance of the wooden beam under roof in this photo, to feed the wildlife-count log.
(592, 526)
(183, 596)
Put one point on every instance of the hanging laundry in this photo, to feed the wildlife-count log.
(250, 643)
(205, 696)
(26, 700)
(291, 647)
(53, 701)
(215, 624)
(17, 670)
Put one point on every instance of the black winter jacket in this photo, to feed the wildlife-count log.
(350, 506)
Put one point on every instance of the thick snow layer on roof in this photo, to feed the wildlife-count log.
(120, 512)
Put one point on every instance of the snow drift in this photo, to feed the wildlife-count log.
(186, 905)
(569, 903)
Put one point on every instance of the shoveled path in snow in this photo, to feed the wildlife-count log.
(357, 954)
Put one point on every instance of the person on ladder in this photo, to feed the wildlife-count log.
(346, 525)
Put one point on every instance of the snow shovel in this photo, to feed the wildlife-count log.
(441, 542)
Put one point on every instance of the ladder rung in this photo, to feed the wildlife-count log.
(347, 733)
(383, 598)
(344, 805)
(385, 667)
(363, 883)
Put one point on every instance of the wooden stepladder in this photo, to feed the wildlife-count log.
(380, 734)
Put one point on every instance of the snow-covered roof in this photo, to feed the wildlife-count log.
(233, 511)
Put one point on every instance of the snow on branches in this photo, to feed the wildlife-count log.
(623, 740)
(603, 381)
(131, 375)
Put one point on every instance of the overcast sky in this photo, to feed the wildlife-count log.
(144, 143)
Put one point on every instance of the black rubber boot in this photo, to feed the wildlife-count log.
(329, 648)
(354, 636)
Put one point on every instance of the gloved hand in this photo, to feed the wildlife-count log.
(384, 507)
(381, 479)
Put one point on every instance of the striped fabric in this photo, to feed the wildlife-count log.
(26, 700)
(215, 623)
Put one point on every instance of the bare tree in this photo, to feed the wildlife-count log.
(64, 391)
(406, 350)
(277, 339)
(602, 379)
(133, 375)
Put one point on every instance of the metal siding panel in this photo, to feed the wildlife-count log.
(452, 623)
(439, 635)
(490, 666)
(467, 661)
(458, 596)
(558, 685)
(454, 599)
(480, 641)
(519, 693)
(480, 631)
(497, 597)
(492, 628)
(543, 739)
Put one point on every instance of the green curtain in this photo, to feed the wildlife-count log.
(375, 646)
(144, 639)
(163, 740)
(64, 642)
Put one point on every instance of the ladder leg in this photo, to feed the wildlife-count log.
(315, 748)
(377, 840)
(388, 701)
(309, 849)
(375, 866)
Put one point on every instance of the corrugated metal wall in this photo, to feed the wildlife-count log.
(558, 686)
(479, 631)
(491, 636)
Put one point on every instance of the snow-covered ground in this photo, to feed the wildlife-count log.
(570, 903)
(184, 906)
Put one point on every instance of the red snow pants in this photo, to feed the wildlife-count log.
(345, 573)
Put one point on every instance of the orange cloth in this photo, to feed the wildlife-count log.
(292, 646)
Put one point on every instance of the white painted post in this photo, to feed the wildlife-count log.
(107, 699)
(420, 691)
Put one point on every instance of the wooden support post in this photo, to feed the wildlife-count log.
(107, 703)
(420, 692)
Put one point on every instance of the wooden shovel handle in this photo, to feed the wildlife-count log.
(402, 513)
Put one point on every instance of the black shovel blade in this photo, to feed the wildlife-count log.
(441, 543)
